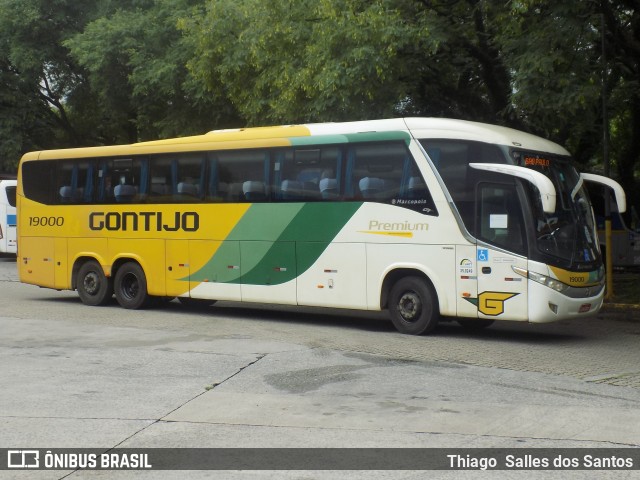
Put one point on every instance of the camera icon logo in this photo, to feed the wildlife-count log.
(23, 459)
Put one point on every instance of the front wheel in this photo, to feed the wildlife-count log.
(94, 288)
(413, 306)
(130, 286)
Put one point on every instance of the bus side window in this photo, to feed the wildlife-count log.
(307, 173)
(190, 177)
(38, 181)
(76, 181)
(128, 180)
(244, 175)
(386, 172)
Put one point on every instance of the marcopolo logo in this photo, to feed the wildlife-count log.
(144, 221)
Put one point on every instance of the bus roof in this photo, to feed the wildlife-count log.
(281, 136)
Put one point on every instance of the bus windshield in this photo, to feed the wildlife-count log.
(569, 233)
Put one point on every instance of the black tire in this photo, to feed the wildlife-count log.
(196, 302)
(130, 286)
(413, 306)
(94, 288)
(474, 324)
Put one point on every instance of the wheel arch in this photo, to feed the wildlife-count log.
(118, 262)
(395, 274)
(80, 260)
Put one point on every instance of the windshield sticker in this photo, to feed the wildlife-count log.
(466, 267)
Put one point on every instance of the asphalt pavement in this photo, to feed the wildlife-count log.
(78, 377)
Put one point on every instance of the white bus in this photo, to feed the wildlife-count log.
(427, 218)
(8, 216)
(625, 232)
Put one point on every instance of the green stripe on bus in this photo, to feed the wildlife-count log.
(294, 239)
(350, 138)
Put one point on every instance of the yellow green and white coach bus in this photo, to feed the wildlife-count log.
(428, 218)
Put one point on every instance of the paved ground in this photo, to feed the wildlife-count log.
(232, 376)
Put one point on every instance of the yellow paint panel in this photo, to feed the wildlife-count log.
(149, 253)
(576, 279)
(217, 221)
(97, 248)
(201, 252)
(38, 267)
(223, 140)
(178, 267)
(62, 275)
(239, 135)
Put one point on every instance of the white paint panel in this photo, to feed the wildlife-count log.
(336, 279)
(279, 294)
(216, 291)
(436, 261)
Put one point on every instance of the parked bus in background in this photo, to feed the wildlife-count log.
(8, 216)
(625, 231)
(427, 218)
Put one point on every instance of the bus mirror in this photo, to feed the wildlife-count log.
(621, 199)
(539, 180)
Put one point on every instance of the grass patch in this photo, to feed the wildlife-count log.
(626, 288)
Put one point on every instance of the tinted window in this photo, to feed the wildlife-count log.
(387, 173)
(177, 177)
(382, 172)
(451, 158)
(38, 180)
(123, 180)
(241, 176)
(310, 173)
(11, 195)
(76, 181)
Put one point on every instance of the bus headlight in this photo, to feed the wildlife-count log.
(556, 285)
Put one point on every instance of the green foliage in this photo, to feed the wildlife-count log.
(135, 58)
(301, 60)
(113, 71)
(36, 75)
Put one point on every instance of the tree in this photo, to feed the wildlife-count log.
(529, 64)
(555, 52)
(37, 77)
(136, 63)
(97, 72)
(293, 61)
(125, 70)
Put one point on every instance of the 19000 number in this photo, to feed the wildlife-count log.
(46, 221)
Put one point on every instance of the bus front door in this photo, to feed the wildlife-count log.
(502, 293)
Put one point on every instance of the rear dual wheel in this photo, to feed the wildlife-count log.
(130, 286)
(94, 288)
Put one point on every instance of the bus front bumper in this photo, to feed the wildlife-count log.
(547, 305)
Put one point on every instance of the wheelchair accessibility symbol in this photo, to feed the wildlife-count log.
(483, 255)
